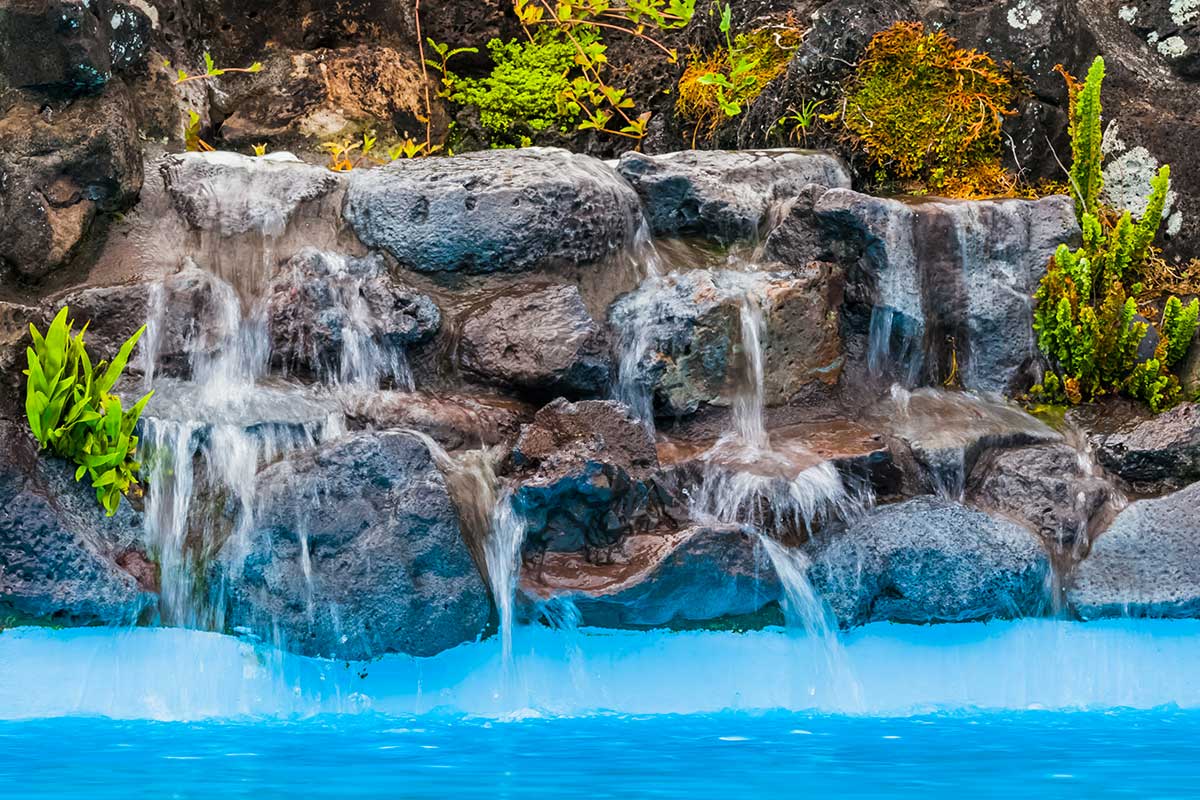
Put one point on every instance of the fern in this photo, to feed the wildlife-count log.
(1087, 177)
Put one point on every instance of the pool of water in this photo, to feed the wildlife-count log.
(1036, 754)
(1041, 708)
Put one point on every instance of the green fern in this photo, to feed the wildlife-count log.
(1087, 176)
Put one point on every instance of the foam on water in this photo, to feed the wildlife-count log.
(174, 674)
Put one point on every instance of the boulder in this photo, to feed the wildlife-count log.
(1146, 564)
(682, 333)
(954, 278)
(1154, 452)
(63, 165)
(1054, 490)
(540, 339)
(232, 194)
(703, 574)
(725, 196)
(345, 318)
(54, 46)
(62, 561)
(497, 211)
(582, 475)
(930, 560)
(355, 551)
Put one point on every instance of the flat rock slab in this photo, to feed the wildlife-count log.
(1152, 451)
(493, 211)
(1146, 564)
(724, 196)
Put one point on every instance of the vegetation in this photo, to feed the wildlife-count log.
(556, 76)
(1085, 316)
(928, 113)
(718, 85)
(73, 414)
(191, 130)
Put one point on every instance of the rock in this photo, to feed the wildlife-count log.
(696, 575)
(955, 277)
(723, 196)
(368, 520)
(538, 338)
(54, 46)
(1053, 490)
(62, 561)
(1155, 452)
(1146, 564)
(687, 328)
(582, 475)
(232, 194)
(948, 432)
(345, 318)
(456, 422)
(498, 211)
(930, 560)
(130, 31)
(328, 95)
(838, 33)
(61, 166)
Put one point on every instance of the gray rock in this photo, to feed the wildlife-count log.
(1048, 489)
(930, 560)
(684, 333)
(368, 519)
(723, 195)
(496, 211)
(63, 166)
(1146, 564)
(1156, 452)
(62, 561)
(539, 338)
(232, 194)
(455, 421)
(583, 475)
(694, 576)
(958, 276)
(327, 311)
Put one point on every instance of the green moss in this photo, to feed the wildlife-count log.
(521, 95)
(928, 113)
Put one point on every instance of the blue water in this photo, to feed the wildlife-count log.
(1023, 754)
(1037, 708)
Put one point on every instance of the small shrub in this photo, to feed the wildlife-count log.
(928, 113)
(1084, 317)
(719, 85)
(73, 414)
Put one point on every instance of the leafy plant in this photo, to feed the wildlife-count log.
(211, 70)
(799, 122)
(719, 85)
(556, 77)
(1085, 319)
(191, 135)
(260, 150)
(73, 414)
(928, 113)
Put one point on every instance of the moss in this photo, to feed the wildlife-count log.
(522, 94)
(928, 113)
(758, 57)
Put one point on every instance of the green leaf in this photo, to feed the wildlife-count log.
(105, 384)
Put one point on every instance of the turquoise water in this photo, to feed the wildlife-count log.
(1016, 754)
(1038, 708)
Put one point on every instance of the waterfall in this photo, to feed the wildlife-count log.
(502, 550)
(632, 387)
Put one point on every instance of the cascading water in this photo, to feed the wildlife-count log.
(631, 387)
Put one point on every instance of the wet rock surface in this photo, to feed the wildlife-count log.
(930, 560)
(62, 561)
(583, 476)
(1154, 452)
(959, 276)
(724, 196)
(454, 421)
(328, 311)
(499, 211)
(355, 552)
(539, 339)
(1146, 564)
(1052, 490)
(693, 576)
